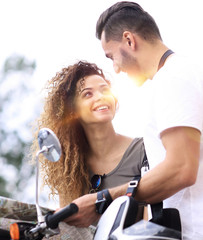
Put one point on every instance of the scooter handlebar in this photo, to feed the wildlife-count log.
(53, 219)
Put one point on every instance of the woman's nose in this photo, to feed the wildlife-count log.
(99, 95)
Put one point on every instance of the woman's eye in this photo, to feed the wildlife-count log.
(87, 94)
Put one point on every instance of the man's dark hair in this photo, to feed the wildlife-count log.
(126, 16)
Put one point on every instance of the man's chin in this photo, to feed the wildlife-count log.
(137, 80)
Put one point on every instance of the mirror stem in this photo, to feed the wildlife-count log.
(40, 217)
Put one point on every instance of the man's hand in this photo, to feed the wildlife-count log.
(86, 214)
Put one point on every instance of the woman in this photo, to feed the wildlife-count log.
(79, 108)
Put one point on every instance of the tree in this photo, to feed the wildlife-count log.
(15, 134)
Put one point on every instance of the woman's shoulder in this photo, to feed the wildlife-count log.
(133, 144)
(136, 143)
(132, 140)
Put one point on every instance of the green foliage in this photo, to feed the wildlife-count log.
(3, 191)
(17, 63)
(13, 154)
(14, 84)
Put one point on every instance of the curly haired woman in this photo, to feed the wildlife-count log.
(79, 108)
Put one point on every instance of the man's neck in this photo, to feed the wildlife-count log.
(156, 56)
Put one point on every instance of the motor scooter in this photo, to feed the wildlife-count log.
(118, 223)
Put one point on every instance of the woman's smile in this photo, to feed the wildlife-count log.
(101, 108)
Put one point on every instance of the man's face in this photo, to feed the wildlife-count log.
(123, 57)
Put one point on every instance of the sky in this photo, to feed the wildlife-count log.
(56, 33)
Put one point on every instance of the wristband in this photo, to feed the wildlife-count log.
(103, 201)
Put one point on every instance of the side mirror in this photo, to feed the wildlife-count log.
(50, 147)
(49, 142)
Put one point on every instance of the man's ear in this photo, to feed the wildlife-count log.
(129, 38)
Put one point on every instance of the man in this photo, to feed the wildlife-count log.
(173, 140)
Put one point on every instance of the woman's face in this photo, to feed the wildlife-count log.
(94, 101)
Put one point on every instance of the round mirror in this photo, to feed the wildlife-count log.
(48, 139)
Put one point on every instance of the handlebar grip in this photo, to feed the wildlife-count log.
(52, 220)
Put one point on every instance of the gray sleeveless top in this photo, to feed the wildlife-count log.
(129, 166)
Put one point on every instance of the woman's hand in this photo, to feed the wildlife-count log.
(86, 214)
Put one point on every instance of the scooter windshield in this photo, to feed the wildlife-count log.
(148, 230)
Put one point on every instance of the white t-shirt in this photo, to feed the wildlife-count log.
(177, 100)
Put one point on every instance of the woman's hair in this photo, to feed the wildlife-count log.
(126, 16)
(69, 177)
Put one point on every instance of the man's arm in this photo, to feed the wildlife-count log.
(179, 168)
(177, 171)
